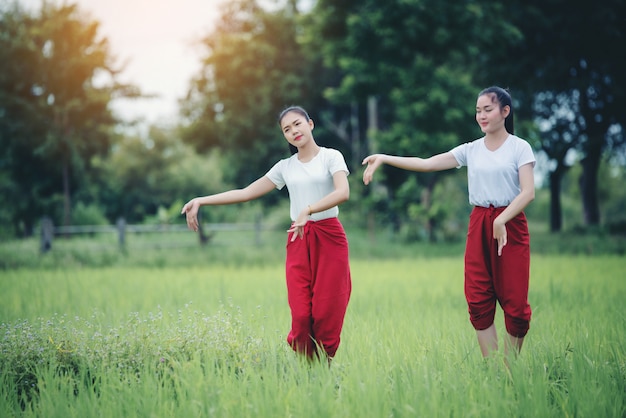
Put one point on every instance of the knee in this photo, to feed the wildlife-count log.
(301, 342)
(301, 326)
(330, 347)
(517, 326)
(482, 314)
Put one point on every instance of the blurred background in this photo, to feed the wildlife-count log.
(122, 111)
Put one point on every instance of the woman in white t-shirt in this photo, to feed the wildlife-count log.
(500, 185)
(317, 267)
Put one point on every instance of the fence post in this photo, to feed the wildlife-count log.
(121, 232)
(257, 229)
(204, 238)
(47, 234)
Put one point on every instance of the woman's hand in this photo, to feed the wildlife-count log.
(499, 234)
(373, 162)
(191, 211)
(298, 226)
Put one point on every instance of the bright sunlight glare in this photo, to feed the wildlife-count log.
(155, 42)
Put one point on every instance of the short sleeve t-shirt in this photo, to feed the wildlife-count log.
(308, 182)
(493, 176)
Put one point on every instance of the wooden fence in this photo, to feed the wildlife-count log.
(49, 231)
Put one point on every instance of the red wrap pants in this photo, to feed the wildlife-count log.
(318, 286)
(490, 278)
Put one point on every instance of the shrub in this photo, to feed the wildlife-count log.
(82, 350)
(88, 215)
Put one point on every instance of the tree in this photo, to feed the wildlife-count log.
(140, 175)
(560, 124)
(54, 112)
(563, 51)
(408, 56)
(25, 185)
(253, 69)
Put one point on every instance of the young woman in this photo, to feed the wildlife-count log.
(317, 267)
(500, 184)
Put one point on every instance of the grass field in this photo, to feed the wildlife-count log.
(170, 338)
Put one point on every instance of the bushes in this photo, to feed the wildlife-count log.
(82, 350)
(90, 214)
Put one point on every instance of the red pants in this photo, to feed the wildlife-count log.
(318, 286)
(490, 278)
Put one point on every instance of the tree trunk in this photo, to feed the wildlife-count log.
(588, 183)
(202, 236)
(556, 214)
(595, 130)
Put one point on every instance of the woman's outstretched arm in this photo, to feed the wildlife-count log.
(255, 190)
(437, 162)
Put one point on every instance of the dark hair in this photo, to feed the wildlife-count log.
(296, 109)
(503, 98)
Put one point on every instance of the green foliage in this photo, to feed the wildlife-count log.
(54, 116)
(407, 54)
(253, 69)
(580, 87)
(375, 44)
(611, 196)
(143, 174)
(420, 62)
(88, 215)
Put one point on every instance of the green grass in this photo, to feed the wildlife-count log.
(182, 249)
(208, 339)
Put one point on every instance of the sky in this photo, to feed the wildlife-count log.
(154, 41)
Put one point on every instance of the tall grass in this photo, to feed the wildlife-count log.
(210, 341)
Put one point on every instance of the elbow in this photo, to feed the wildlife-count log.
(244, 195)
(530, 196)
(344, 196)
(428, 166)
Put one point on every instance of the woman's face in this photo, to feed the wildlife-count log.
(489, 115)
(296, 128)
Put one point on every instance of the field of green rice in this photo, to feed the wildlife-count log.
(209, 341)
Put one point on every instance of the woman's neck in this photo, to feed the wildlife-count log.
(494, 140)
(307, 152)
(495, 137)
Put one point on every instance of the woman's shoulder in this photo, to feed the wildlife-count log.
(523, 149)
(519, 142)
(471, 144)
(285, 161)
(517, 138)
(330, 152)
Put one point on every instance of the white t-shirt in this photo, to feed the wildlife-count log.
(308, 182)
(493, 176)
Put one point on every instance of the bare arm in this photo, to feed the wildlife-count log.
(253, 191)
(340, 194)
(336, 197)
(526, 195)
(437, 162)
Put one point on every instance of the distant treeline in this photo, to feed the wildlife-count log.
(399, 77)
